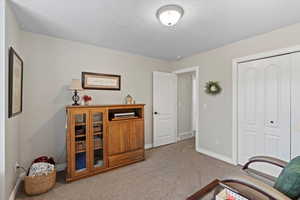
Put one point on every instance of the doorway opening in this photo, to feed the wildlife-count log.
(166, 110)
(185, 106)
(187, 103)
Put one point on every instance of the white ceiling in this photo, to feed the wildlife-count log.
(131, 25)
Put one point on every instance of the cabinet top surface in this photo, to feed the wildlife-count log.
(106, 105)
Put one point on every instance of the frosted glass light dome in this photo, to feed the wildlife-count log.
(169, 15)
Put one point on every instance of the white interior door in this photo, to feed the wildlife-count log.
(264, 109)
(164, 108)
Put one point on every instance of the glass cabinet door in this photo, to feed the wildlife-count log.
(80, 143)
(97, 142)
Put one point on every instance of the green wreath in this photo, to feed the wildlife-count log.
(212, 88)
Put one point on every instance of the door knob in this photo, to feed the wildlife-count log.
(155, 113)
(272, 122)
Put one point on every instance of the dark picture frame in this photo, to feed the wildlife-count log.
(99, 81)
(15, 84)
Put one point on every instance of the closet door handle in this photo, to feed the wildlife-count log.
(272, 122)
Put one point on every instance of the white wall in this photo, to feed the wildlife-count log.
(215, 120)
(2, 99)
(50, 64)
(184, 107)
(12, 132)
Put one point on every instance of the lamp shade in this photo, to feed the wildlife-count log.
(75, 85)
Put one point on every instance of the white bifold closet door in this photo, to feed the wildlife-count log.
(264, 109)
(295, 105)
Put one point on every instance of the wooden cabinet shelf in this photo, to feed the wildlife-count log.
(80, 170)
(78, 136)
(97, 142)
(81, 151)
(80, 124)
(98, 122)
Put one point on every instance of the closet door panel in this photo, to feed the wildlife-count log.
(272, 145)
(271, 99)
(249, 106)
(250, 95)
(276, 127)
(295, 105)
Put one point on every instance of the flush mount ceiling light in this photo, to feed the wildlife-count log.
(169, 15)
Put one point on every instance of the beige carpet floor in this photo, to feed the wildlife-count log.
(170, 172)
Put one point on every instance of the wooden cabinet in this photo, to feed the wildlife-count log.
(136, 136)
(118, 132)
(125, 136)
(126, 158)
(98, 141)
(79, 120)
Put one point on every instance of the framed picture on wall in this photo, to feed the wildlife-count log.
(96, 81)
(15, 96)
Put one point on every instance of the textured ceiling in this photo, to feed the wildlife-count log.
(131, 25)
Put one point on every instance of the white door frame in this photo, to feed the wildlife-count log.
(235, 63)
(2, 99)
(195, 69)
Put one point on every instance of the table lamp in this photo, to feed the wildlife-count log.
(75, 86)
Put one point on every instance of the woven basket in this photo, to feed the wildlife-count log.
(39, 184)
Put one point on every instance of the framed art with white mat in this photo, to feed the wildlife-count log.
(97, 81)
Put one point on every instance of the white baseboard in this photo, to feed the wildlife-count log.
(216, 155)
(148, 146)
(16, 188)
(61, 167)
(186, 135)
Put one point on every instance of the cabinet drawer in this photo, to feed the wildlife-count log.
(126, 158)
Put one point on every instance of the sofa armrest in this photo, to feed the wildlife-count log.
(265, 159)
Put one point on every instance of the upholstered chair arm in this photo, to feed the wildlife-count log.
(265, 159)
(254, 188)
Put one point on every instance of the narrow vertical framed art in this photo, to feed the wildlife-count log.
(15, 85)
